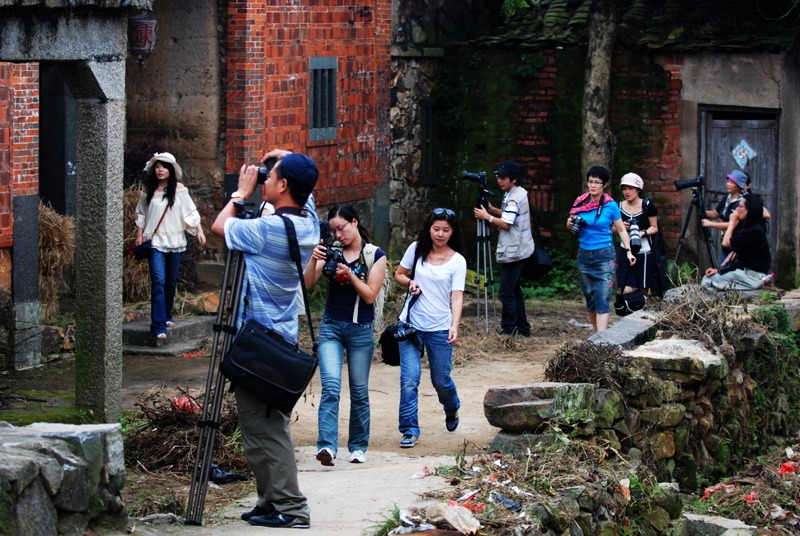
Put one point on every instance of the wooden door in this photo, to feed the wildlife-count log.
(747, 141)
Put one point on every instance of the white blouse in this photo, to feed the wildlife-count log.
(181, 218)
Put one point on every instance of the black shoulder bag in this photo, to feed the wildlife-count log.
(266, 365)
(392, 335)
(628, 302)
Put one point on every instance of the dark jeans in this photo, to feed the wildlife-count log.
(514, 319)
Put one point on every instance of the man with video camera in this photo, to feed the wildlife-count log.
(269, 289)
(514, 246)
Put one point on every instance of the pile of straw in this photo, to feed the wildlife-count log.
(56, 254)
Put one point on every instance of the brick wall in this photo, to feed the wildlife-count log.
(19, 139)
(269, 50)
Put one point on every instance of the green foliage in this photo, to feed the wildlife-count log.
(561, 282)
(529, 66)
(389, 523)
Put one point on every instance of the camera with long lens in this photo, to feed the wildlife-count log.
(578, 224)
(483, 193)
(404, 331)
(636, 237)
(263, 171)
(696, 182)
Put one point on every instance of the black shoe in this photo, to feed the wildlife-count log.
(276, 520)
(451, 422)
(257, 511)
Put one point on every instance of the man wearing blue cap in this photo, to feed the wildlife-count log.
(269, 287)
(514, 246)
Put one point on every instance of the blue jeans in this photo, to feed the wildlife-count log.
(163, 283)
(514, 319)
(440, 356)
(357, 339)
(596, 268)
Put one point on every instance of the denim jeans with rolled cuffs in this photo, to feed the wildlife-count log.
(164, 282)
(336, 337)
(597, 268)
(440, 359)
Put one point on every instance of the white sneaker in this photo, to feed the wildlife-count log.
(357, 456)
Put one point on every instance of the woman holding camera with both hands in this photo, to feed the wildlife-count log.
(592, 217)
(346, 325)
(439, 271)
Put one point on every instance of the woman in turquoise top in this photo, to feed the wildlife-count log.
(592, 216)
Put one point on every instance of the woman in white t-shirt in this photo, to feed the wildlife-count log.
(439, 270)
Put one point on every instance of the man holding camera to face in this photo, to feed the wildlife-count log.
(269, 289)
(514, 246)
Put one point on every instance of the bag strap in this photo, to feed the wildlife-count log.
(367, 255)
(415, 297)
(159, 221)
(294, 254)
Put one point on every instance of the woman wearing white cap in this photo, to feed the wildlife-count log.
(164, 214)
(642, 212)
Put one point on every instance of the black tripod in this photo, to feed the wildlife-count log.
(484, 266)
(224, 332)
(697, 201)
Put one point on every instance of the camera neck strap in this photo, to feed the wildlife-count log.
(294, 254)
(414, 297)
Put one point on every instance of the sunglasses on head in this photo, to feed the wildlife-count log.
(443, 212)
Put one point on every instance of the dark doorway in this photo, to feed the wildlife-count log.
(57, 138)
(746, 140)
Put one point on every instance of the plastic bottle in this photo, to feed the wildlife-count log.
(767, 279)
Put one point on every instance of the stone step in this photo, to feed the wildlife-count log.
(188, 335)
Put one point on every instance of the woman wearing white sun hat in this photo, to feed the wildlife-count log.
(164, 214)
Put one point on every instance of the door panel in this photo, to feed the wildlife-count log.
(722, 132)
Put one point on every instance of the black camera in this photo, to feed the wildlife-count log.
(636, 237)
(404, 331)
(481, 178)
(696, 182)
(263, 171)
(333, 257)
(578, 224)
(483, 194)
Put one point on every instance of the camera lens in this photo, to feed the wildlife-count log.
(263, 171)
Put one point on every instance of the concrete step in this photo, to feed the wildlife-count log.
(188, 335)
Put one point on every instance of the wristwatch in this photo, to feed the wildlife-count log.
(237, 195)
(491, 219)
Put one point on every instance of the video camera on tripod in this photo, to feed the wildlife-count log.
(483, 193)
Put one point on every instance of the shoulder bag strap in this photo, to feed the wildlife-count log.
(415, 297)
(294, 253)
(159, 221)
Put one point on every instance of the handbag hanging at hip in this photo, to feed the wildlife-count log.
(263, 363)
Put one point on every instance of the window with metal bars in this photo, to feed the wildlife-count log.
(322, 99)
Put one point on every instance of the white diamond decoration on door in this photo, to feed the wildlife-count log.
(743, 153)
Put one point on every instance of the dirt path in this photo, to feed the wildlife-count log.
(348, 499)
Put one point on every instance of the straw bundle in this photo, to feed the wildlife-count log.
(56, 253)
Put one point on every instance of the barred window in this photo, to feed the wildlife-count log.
(322, 99)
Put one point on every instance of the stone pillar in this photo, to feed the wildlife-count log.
(99, 88)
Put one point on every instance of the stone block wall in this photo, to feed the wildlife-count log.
(687, 409)
(61, 479)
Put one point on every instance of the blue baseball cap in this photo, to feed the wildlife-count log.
(509, 169)
(301, 170)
